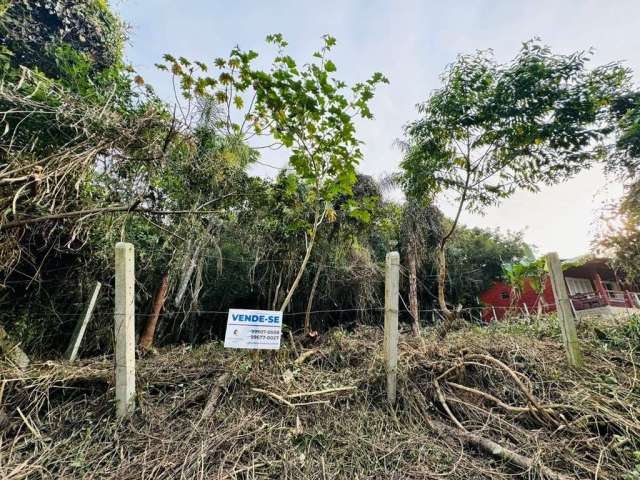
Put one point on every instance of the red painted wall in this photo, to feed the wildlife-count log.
(494, 297)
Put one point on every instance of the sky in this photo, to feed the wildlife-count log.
(411, 42)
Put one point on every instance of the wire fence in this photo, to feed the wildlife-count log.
(29, 278)
(406, 310)
(479, 313)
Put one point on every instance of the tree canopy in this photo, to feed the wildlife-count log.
(492, 128)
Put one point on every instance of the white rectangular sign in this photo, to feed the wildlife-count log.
(254, 329)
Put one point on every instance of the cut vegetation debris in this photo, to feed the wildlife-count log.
(496, 402)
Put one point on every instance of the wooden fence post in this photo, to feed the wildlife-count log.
(391, 294)
(565, 310)
(125, 329)
(81, 325)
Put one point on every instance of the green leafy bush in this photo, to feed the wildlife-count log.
(623, 336)
(32, 31)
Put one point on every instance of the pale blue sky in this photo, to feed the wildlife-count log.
(410, 42)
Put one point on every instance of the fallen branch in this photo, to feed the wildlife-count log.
(216, 393)
(286, 402)
(498, 451)
(321, 392)
(525, 390)
(32, 428)
(305, 355)
(500, 403)
(275, 396)
(490, 397)
(445, 405)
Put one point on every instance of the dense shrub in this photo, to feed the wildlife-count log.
(33, 30)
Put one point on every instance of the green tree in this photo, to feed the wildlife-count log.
(494, 128)
(35, 31)
(533, 272)
(303, 108)
(625, 113)
(621, 239)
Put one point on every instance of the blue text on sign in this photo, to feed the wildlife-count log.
(239, 317)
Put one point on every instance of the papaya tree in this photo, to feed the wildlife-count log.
(492, 129)
(303, 108)
(531, 272)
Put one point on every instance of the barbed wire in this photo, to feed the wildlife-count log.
(484, 308)
(334, 266)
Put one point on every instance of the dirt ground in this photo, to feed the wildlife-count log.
(486, 403)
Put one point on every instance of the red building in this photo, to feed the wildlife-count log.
(594, 289)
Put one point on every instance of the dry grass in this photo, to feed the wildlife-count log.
(586, 423)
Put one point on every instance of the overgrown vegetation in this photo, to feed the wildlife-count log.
(90, 156)
(118, 163)
(326, 417)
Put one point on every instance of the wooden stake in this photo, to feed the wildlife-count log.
(391, 288)
(125, 329)
(565, 311)
(81, 325)
(216, 392)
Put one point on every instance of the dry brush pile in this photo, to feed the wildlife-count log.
(481, 404)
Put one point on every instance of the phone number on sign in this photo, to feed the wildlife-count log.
(264, 337)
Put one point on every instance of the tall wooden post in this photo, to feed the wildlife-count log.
(391, 293)
(565, 311)
(81, 325)
(125, 329)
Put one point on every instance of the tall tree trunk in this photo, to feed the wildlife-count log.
(146, 340)
(296, 281)
(413, 292)
(442, 261)
(276, 295)
(442, 276)
(188, 272)
(541, 304)
(316, 225)
(307, 316)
